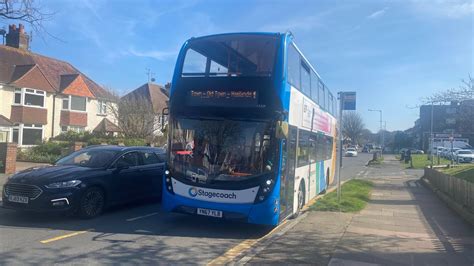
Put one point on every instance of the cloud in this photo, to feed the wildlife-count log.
(377, 13)
(155, 54)
(453, 9)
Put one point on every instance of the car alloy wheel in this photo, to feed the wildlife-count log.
(92, 203)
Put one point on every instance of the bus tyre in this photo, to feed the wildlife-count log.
(92, 203)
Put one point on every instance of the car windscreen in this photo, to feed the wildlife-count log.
(89, 158)
(464, 152)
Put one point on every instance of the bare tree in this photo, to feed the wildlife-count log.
(29, 11)
(136, 118)
(464, 92)
(352, 126)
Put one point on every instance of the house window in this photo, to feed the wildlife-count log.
(32, 134)
(74, 103)
(4, 136)
(66, 103)
(27, 134)
(29, 97)
(17, 96)
(16, 134)
(102, 107)
(78, 103)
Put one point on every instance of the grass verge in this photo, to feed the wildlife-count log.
(465, 172)
(354, 196)
(420, 161)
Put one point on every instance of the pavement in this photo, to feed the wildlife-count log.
(403, 224)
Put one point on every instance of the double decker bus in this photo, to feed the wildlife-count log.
(251, 129)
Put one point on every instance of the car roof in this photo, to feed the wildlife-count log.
(125, 148)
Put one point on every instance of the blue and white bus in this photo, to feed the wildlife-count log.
(251, 129)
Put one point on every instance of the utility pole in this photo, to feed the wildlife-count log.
(431, 135)
(340, 147)
(381, 129)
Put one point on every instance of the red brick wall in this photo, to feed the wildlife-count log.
(8, 157)
(29, 115)
(73, 119)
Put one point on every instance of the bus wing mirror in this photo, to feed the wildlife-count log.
(164, 112)
(282, 130)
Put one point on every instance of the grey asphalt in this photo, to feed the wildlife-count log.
(139, 233)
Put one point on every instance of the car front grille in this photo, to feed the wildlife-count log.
(23, 190)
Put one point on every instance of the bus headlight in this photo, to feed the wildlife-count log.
(168, 182)
(265, 190)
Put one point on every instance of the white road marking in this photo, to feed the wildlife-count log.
(141, 217)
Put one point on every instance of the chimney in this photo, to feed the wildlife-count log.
(16, 37)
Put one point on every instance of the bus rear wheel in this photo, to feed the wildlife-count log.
(300, 201)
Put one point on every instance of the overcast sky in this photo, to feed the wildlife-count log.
(392, 53)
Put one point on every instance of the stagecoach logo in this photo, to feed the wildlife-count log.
(193, 192)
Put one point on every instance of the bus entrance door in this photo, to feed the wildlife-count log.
(287, 180)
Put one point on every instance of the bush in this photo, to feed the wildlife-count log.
(31, 156)
(47, 152)
(50, 147)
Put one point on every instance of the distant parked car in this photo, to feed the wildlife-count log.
(351, 152)
(452, 154)
(88, 181)
(464, 156)
(416, 151)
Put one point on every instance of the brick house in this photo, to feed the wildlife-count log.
(44, 96)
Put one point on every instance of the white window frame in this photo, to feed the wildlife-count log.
(24, 91)
(101, 107)
(76, 129)
(69, 97)
(20, 128)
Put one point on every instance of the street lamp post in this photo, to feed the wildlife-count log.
(381, 128)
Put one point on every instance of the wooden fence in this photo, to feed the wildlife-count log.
(459, 190)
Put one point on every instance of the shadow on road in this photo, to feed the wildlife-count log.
(127, 219)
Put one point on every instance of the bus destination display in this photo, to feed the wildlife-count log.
(225, 98)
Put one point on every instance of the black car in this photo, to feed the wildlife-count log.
(89, 180)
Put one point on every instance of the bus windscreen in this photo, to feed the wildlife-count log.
(231, 55)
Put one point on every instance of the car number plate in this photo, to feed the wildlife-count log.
(207, 212)
(18, 199)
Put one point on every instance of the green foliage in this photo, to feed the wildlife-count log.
(465, 172)
(50, 147)
(421, 161)
(31, 156)
(354, 197)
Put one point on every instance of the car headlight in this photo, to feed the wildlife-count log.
(65, 184)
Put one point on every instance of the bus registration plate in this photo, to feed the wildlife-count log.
(207, 212)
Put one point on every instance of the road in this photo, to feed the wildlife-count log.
(352, 166)
(139, 233)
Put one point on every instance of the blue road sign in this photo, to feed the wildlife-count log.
(348, 100)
